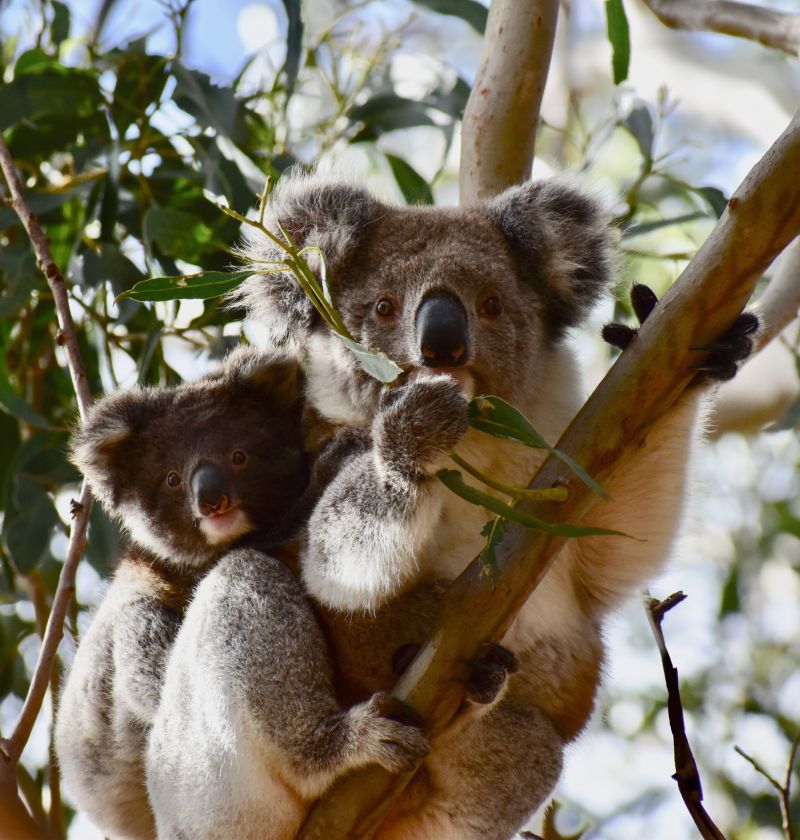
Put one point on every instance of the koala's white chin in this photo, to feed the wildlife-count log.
(225, 527)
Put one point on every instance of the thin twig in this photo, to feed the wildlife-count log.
(67, 338)
(780, 30)
(784, 790)
(686, 773)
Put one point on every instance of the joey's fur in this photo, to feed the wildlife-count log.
(516, 272)
(190, 471)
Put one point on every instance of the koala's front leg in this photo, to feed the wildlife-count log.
(365, 534)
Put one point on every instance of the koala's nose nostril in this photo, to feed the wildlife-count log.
(442, 331)
(209, 490)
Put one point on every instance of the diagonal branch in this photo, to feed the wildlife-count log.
(498, 133)
(762, 217)
(68, 339)
(770, 27)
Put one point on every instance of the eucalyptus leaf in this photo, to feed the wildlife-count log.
(454, 481)
(620, 38)
(494, 531)
(474, 13)
(414, 187)
(376, 364)
(201, 286)
(294, 41)
(496, 417)
(639, 122)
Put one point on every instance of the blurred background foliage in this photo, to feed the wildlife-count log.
(130, 122)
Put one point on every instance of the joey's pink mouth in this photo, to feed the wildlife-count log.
(226, 526)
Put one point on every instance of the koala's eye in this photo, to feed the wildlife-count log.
(491, 307)
(238, 457)
(173, 479)
(385, 308)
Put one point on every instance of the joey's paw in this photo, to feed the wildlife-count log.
(419, 422)
(732, 347)
(393, 733)
(489, 673)
(403, 657)
(643, 300)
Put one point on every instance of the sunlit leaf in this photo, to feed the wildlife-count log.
(201, 286)
(454, 481)
(496, 417)
(376, 364)
(65, 91)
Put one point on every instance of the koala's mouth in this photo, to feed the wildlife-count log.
(226, 526)
(462, 375)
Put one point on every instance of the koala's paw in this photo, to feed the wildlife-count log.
(390, 733)
(489, 673)
(724, 354)
(732, 347)
(419, 422)
(643, 300)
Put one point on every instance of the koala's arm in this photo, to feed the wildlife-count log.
(365, 532)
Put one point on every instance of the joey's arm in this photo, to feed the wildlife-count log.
(366, 530)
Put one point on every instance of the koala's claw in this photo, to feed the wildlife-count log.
(732, 347)
(398, 741)
(490, 670)
(403, 657)
(643, 300)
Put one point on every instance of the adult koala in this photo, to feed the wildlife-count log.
(469, 300)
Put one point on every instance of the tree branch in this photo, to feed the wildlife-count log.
(67, 338)
(762, 217)
(686, 773)
(780, 30)
(498, 133)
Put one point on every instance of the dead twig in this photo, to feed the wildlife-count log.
(686, 773)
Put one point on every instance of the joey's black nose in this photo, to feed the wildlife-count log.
(210, 489)
(442, 334)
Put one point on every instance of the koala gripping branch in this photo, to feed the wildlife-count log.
(761, 219)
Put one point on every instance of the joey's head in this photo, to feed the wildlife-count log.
(484, 292)
(190, 469)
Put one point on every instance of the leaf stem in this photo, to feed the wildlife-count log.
(548, 494)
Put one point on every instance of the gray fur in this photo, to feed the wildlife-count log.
(544, 251)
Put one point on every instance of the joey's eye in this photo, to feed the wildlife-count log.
(174, 480)
(385, 308)
(239, 457)
(491, 307)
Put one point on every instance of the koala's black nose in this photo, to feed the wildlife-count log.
(210, 489)
(442, 334)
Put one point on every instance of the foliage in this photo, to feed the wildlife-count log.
(127, 153)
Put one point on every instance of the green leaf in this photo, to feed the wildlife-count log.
(18, 265)
(34, 61)
(294, 42)
(375, 363)
(211, 105)
(206, 284)
(640, 124)
(717, 200)
(649, 227)
(13, 403)
(388, 112)
(65, 91)
(494, 531)
(454, 481)
(471, 11)
(59, 28)
(178, 234)
(619, 36)
(140, 81)
(27, 535)
(414, 187)
(496, 417)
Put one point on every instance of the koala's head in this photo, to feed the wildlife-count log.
(483, 292)
(189, 469)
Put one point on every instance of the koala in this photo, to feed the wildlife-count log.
(471, 300)
(187, 471)
(190, 472)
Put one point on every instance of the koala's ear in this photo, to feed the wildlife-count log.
(102, 445)
(316, 212)
(562, 240)
(277, 376)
